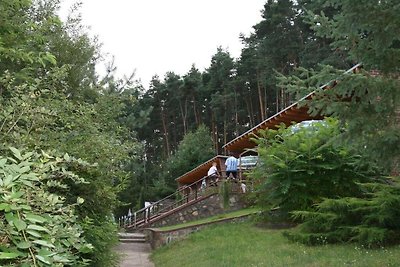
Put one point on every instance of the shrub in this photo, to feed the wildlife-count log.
(371, 220)
(37, 227)
(300, 166)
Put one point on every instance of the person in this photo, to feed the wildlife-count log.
(213, 173)
(231, 164)
(243, 187)
(203, 185)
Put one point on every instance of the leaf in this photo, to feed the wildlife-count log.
(65, 243)
(46, 253)
(9, 217)
(25, 207)
(44, 259)
(58, 258)
(7, 181)
(5, 207)
(47, 155)
(18, 194)
(43, 243)
(27, 183)
(24, 245)
(16, 153)
(86, 248)
(50, 58)
(34, 233)
(38, 228)
(35, 218)
(8, 255)
(24, 169)
(67, 157)
(27, 155)
(3, 162)
(19, 224)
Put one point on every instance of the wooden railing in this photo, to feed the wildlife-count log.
(180, 197)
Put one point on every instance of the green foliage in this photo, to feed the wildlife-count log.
(371, 220)
(224, 192)
(195, 148)
(301, 165)
(367, 102)
(102, 232)
(37, 226)
(51, 100)
(367, 30)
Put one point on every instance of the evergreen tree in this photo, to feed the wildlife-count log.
(367, 102)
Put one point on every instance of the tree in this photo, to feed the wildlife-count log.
(223, 99)
(194, 149)
(367, 102)
(53, 103)
(373, 94)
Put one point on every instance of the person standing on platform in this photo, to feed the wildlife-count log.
(231, 164)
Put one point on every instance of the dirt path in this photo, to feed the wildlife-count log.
(135, 254)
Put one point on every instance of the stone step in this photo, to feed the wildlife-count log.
(132, 238)
(131, 235)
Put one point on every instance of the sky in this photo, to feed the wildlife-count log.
(155, 36)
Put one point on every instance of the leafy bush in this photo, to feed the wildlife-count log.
(372, 220)
(300, 166)
(37, 226)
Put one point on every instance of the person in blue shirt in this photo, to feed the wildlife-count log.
(231, 164)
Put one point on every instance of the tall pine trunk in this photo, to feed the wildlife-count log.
(260, 99)
(196, 114)
(183, 109)
(165, 129)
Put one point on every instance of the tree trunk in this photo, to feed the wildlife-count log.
(260, 99)
(214, 130)
(395, 170)
(196, 114)
(184, 115)
(277, 101)
(167, 147)
(236, 116)
(252, 123)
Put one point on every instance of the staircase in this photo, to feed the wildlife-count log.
(182, 197)
(131, 238)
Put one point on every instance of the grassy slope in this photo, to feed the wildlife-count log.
(245, 245)
(233, 214)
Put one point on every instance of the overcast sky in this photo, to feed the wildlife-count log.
(156, 36)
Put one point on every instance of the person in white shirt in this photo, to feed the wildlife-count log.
(213, 173)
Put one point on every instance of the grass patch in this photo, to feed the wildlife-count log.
(233, 214)
(243, 244)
